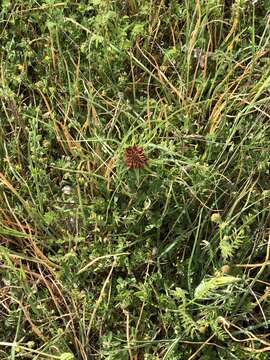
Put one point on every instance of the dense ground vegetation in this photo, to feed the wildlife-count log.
(102, 261)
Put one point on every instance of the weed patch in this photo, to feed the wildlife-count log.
(134, 180)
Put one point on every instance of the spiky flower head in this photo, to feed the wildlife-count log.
(135, 157)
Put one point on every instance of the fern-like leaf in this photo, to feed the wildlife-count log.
(206, 287)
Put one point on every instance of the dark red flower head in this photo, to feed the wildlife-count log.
(135, 157)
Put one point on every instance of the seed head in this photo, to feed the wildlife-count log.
(135, 157)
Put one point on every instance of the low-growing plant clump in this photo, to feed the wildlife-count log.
(134, 179)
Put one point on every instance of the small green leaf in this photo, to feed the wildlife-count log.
(66, 356)
(207, 286)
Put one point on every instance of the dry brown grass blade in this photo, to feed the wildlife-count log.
(109, 170)
(201, 347)
(9, 186)
(160, 73)
(100, 298)
(34, 328)
(56, 126)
